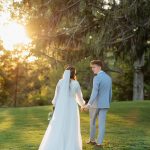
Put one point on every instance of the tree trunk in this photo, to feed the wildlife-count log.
(138, 81)
(16, 86)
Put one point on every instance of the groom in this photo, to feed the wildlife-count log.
(99, 102)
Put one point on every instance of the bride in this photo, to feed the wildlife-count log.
(63, 132)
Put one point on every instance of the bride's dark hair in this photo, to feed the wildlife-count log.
(72, 72)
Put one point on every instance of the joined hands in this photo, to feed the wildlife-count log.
(85, 107)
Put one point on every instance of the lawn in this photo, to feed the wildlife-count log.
(128, 127)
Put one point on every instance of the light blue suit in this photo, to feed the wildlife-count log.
(99, 103)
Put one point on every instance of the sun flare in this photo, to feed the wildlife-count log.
(13, 34)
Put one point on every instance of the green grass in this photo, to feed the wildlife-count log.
(128, 127)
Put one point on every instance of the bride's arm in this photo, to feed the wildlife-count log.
(56, 94)
(79, 96)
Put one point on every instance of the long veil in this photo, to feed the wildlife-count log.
(63, 132)
(60, 119)
(63, 93)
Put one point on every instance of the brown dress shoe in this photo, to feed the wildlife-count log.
(99, 145)
(91, 142)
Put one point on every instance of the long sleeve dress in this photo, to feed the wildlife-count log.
(63, 132)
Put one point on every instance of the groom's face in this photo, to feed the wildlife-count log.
(95, 68)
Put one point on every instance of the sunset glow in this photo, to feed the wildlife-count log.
(13, 34)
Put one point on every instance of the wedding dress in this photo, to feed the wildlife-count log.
(63, 132)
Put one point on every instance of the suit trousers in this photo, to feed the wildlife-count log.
(99, 113)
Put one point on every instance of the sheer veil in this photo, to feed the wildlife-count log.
(63, 132)
(63, 94)
(58, 122)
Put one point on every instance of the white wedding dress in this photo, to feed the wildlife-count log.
(63, 132)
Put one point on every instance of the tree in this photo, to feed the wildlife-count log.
(128, 25)
(69, 31)
(97, 27)
(121, 27)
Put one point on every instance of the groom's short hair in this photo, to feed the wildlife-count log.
(97, 62)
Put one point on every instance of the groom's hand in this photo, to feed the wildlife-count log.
(87, 106)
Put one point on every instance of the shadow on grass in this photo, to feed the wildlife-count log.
(22, 127)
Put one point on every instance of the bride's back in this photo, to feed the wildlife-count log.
(74, 85)
(75, 92)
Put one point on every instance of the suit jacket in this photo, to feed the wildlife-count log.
(102, 91)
